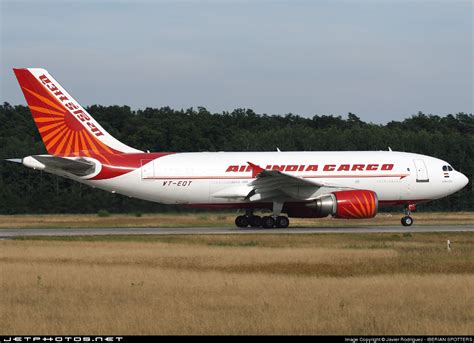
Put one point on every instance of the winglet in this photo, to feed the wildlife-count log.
(255, 169)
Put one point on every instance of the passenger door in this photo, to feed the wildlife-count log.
(421, 171)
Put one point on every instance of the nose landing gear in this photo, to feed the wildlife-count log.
(407, 220)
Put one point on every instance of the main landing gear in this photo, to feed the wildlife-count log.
(267, 222)
(407, 220)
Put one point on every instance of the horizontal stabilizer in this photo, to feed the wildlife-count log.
(15, 160)
(77, 166)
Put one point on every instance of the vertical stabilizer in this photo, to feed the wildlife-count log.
(65, 126)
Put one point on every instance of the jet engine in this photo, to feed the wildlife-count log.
(350, 204)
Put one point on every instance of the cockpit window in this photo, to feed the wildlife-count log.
(445, 168)
(450, 168)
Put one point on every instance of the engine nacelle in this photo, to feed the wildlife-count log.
(351, 204)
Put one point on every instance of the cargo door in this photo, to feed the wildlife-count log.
(148, 171)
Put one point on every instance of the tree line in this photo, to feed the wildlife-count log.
(22, 190)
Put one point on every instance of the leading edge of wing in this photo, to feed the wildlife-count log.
(274, 185)
(267, 177)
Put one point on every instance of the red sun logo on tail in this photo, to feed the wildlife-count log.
(60, 123)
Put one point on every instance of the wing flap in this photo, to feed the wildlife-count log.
(238, 192)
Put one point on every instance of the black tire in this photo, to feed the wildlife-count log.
(282, 222)
(242, 221)
(255, 221)
(268, 222)
(407, 221)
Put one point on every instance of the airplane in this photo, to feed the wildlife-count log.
(296, 184)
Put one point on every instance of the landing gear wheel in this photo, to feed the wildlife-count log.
(407, 221)
(268, 222)
(282, 222)
(242, 221)
(255, 221)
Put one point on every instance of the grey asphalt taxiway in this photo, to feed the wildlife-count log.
(18, 232)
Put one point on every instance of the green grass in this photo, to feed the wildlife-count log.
(214, 219)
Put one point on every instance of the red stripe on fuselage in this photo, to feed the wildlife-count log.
(250, 178)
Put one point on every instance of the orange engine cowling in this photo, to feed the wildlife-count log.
(355, 204)
(350, 204)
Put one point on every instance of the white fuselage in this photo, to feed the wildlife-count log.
(346, 184)
(223, 177)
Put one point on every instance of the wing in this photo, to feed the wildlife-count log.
(275, 185)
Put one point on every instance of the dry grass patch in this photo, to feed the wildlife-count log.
(115, 220)
(312, 284)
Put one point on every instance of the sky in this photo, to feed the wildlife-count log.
(382, 60)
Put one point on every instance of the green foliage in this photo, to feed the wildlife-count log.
(103, 213)
(23, 190)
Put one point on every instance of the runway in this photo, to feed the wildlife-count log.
(15, 232)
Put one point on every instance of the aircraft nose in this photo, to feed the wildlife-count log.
(462, 180)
